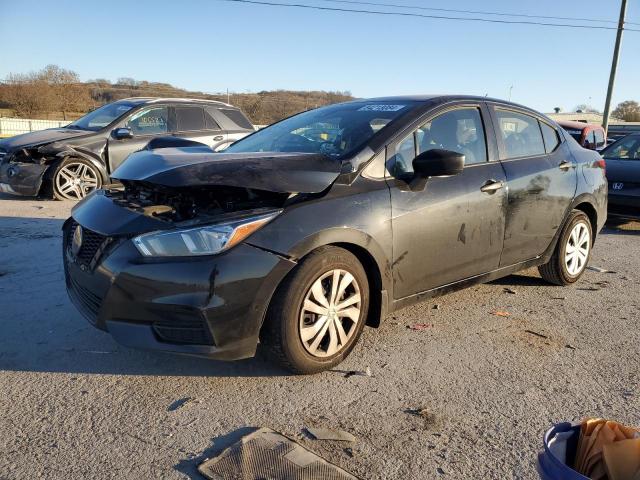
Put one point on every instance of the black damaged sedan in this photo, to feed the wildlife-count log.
(299, 235)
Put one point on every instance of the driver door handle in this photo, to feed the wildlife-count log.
(217, 138)
(564, 165)
(492, 186)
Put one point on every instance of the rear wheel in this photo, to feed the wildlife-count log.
(74, 179)
(572, 252)
(318, 313)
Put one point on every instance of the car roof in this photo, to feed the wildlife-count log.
(442, 98)
(578, 125)
(147, 100)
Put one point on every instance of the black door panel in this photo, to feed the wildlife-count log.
(449, 231)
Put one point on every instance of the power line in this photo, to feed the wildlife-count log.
(477, 12)
(419, 15)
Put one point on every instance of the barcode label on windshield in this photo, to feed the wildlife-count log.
(381, 108)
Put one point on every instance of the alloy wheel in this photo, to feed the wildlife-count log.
(330, 313)
(76, 180)
(577, 249)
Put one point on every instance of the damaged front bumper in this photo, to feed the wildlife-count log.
(209, 306)
(18, 178)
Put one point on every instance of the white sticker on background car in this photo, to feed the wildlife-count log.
(381, 108)
(618, 186)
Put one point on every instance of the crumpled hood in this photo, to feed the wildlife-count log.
(200, 166)
(41, 137)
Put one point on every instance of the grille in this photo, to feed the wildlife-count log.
(93, 245)
(183, 330)
(89, 300)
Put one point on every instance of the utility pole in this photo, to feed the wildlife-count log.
(614, 66)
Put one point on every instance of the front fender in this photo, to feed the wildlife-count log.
(61, 150)
(346, 236)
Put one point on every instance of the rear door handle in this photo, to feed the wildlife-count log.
(565, 165)
(217, 138)
(491, 186)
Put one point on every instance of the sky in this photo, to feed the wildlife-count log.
(215, 45)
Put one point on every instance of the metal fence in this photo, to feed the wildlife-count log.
(16, 126)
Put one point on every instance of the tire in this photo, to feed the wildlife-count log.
(74, 179)
(299, 338)
(560, 269)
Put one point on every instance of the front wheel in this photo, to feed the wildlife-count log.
(74, 179)
(572, 252)
(318, 313)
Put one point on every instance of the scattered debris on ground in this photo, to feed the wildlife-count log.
(509, 290)
(589, 289)
(318, 433)
(179, 404)
(531, 332)
(569, 346)
(269, 454)
(558, 298)
(600, 270)
(360, 373)
(436, 307)
(424, 413)
(420, 326)
(500, 313)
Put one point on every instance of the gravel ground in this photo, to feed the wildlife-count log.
(76, 405)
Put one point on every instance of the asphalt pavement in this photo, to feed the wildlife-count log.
(466, 394)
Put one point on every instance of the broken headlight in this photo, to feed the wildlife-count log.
(204, 240)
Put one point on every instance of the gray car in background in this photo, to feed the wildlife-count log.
(72, 161)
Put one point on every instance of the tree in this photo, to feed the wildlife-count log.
(585, 108)
(557, 109)
(629, 111)
(27, 94)
(68, 94)
(128, 81)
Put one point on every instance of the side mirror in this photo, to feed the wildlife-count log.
(122, 133)
(438, 163)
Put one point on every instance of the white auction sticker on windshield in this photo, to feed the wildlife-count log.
(381, 108)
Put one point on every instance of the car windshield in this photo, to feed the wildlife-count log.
(101, 117)
(336, 130)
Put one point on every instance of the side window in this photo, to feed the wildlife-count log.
(599, 138)
(403, 156)
(520, 134)
(551, 140)
(458, 130)
(209, 122)
(238, 118)
(189, 118)
(591, 140)
(149, 121)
